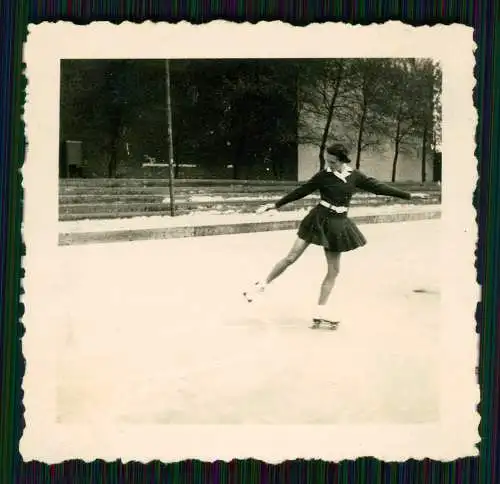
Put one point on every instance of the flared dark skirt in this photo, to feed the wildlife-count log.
(335, 232)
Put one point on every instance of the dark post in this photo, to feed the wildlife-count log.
(170, 141)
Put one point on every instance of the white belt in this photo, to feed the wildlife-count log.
(334, 208)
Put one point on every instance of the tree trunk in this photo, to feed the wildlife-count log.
(331, 108)
(424, 154)
(239, 158)
(236, 168)
(112, 162)
(395, 162)
(360, 136)
(277, 165)
(113, 157)
(115, 140)
(397, 140)
(428, 127)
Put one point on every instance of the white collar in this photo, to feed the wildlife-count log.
(346, 171)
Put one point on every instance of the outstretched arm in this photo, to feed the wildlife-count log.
(305, 189)
(372, 185)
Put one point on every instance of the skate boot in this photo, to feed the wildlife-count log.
(255, 291)
(322, 318)
(331, 325)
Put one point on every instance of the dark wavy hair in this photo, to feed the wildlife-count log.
(340, 151)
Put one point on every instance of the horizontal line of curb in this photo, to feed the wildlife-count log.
(106, 236)
(195, 182)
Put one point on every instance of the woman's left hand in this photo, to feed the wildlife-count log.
(266, 208)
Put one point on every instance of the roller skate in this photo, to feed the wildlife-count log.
(254, 292)
(331, 325)
(320, 318)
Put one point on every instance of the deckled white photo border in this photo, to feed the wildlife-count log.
(456, 434)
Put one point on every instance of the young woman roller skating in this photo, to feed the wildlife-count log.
(327, 224)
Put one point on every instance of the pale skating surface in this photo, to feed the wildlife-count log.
(158, 332)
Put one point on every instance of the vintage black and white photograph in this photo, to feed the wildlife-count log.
(252, 241)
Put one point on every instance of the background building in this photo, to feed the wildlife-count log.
(249, 119)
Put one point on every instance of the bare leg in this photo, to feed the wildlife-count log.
(333, 262)
(296, 251)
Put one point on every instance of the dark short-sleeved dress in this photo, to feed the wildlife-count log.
(324, 225)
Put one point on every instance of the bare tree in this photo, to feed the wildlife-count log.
(323, 87)
(366, 102)
(428, 109)
(405, 95)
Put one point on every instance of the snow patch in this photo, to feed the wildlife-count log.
(217, 217)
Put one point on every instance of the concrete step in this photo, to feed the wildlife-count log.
(272, 191)
(111, 198)
(71, 217)
(196, 198)
(204, 206)
(164, 183)
(102, 211)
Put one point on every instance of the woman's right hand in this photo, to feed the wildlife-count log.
(266, 208)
